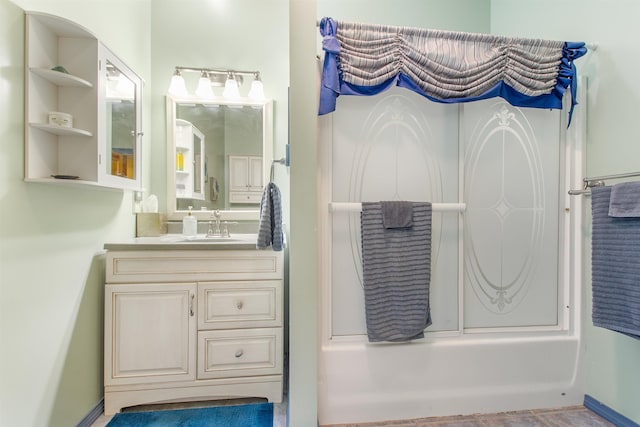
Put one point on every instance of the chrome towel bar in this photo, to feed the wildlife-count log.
(357, 207)
(598, 181)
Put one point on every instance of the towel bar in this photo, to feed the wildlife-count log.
(357, 207)
(598, 181)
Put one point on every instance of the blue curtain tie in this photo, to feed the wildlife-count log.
(330, 87)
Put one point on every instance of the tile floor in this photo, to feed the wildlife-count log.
(575, 416)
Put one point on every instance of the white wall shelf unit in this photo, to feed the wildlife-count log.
(69, 70)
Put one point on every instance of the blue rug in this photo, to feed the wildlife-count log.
(255, 415)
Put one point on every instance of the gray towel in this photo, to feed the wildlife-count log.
(615, 255)
(397, 214)
(396, 265)
(270, 227)
(625, 200)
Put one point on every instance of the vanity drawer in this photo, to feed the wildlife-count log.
(253, 197)
(192, 265)
(239, 353)
(232, 305)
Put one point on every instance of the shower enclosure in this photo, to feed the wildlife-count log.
(505, 269)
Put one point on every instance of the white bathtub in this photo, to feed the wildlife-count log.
(361, 382)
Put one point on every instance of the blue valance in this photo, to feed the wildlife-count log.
(445, 66)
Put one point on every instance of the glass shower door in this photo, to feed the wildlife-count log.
(512, 162)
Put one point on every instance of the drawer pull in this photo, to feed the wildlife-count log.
(191, 305)
(239, 353)
(239, 305)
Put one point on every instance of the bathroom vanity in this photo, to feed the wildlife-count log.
(192, 320)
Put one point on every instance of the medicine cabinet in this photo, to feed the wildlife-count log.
(82, 108)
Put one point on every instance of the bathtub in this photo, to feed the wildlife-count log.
(438, 376)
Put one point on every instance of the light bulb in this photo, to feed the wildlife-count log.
(177, 86)
(231, 89)
(125, 87)
(257, 89)
(204, 89)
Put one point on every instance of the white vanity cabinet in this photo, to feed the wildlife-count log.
(245, 179)
(186, 325)
(82, 108)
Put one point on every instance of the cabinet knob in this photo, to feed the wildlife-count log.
(239, 305)
(239, 353)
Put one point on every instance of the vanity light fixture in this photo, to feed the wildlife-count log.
(257, 89)
(231, 89)
(178, 86)
(204, 89)
(119, 87)
(209, 77)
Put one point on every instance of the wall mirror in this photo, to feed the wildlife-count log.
(219, 155)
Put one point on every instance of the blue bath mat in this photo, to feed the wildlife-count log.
(255, 415)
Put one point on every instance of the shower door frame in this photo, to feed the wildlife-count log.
(570, 275)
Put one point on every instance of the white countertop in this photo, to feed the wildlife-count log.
(179, 242)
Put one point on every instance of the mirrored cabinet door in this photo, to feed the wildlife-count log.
(119, 104)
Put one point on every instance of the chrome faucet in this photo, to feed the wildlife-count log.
(215, 229)
(211, 231)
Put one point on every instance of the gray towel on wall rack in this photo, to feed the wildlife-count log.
(396, 266)
(625, 200)
(615, 251)
(270, 227)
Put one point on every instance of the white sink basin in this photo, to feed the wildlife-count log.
(175, 238)
(210, 239)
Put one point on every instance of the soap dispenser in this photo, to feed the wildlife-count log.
(189, 225)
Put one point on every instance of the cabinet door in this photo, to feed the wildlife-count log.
(255, 174)
(119, 123)
(238, 173)
(150, 333)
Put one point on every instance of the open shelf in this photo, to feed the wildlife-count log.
(60, 130)
(61, 79)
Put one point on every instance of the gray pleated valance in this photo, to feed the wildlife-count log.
(445, 66)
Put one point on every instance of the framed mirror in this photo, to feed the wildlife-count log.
(219, 156)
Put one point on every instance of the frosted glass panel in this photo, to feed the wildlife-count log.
(394, 146)
(511, 188)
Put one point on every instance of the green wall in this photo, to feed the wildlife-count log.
(613, 371)
(219, 34)
(453, 15)
(51, 238)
